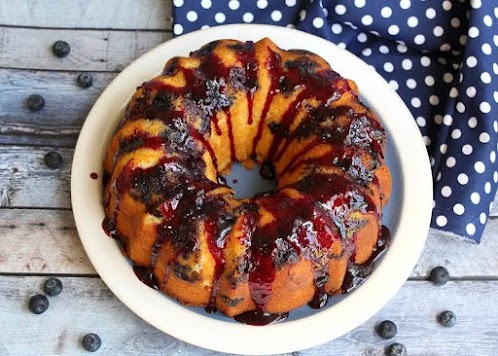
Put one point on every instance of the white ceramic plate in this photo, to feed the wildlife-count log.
(407, 215)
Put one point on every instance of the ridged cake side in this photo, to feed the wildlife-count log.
(315, 235)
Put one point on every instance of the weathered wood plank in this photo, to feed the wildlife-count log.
(86, 305)
(25, 180)
(66, 106)
(91, 50)
(46, 241)
(115, 14)
(41, 241)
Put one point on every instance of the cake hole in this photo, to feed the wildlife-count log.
(248, 182)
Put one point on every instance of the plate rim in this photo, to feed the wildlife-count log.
(280, 338)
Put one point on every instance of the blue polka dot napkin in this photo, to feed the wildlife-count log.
(440, 56)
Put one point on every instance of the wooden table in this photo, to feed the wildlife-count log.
(37, 233)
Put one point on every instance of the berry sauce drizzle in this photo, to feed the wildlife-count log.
(305, 224)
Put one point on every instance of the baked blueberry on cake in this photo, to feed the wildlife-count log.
(255, 259)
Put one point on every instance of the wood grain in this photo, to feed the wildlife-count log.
(91, 50)
(115, 14)
(46, 241)
(86, 305)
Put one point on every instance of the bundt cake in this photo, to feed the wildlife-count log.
(254, 259)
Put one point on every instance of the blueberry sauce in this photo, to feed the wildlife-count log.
(177, 191)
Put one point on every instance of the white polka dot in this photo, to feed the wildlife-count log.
(206, 4)
(463, 40)
(450, 162)
(192, 16)
(447, 5)
(443, 148)
(445, 47)
(438, 119)
(401, 48)
(430, 13)
(429, 80)
(178, 3)
(262, 4)
(359, 3)
(406, 64)
(460, 107)
(383, 49)
(476, 4)
(462, 178)
(460, 79)
(412, 21)
(487, 188)
(290, 3)
(341, 45)
(425, 61)
(388, 67)
(233, 4)
(471, 229)
(485, 107)
(479, 167)
(458, 209)
(495, 67)
(473, 32)
(277, 16)
(467, 149)
(427, 140)
(448, 77)
(434, 100)
(441, 221)
(302, 15)
(220, 17)
(419, 39)
(411, 83)
(438, 31)
(453, 92)
(472, 122)
(492, 156)
(177, 29)
(485, 77)
(432, 161)
(421, 121)
(405, 4)
(386, 12)
(486, 48)
(336, 28)
(203, 27)
(484, 137)
(394, 84)
(495, 96)
(495, 177)
(438, 178)
(366, 52)
(488, 21)
(495, 126)
(471, 91)
(447, 120)
(362, 37)
(446, 191)
(340, 9)
(456, 134)
(248, 17)
(475, 198)
(416, 102)
(455, 22)
(482, 218)
(367, 20)
(317, 21)
(393, 30)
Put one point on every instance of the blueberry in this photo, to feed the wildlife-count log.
(35, 102)
(53, 160)
(447, 319)
(439, 276)
(61, 49)
(85, 80)
(91, 342)
(396, 349)
(387, 329)
(52, 286)
(38, 304)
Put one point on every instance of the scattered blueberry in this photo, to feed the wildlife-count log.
(396, 349)
(91, 342)
(38, 304)
(61, 49)
(447, 319)
(85, 80)
(387, 329)
(52, 286)
(36, 102)
(53, 160)
(439, 276)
